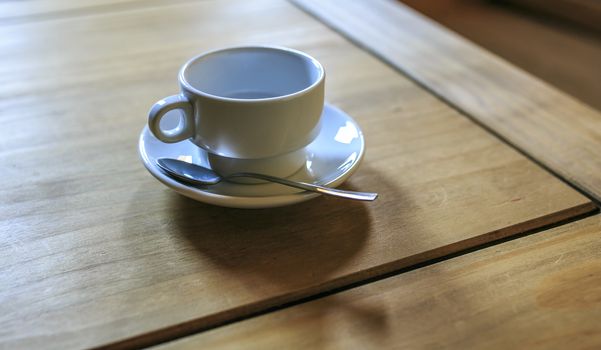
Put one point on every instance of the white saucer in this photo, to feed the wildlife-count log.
(331, 158)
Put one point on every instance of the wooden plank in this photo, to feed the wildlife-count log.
(542, 291)
(574, 69)
(558, 131)
(12, 12)
(96, 251)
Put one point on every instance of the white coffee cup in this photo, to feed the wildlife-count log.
(252, 108)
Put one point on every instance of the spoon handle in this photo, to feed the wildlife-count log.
(360, 196)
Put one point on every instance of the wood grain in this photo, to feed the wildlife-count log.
(94, 251)
(538, 292)
(12, 11)
(558, 131)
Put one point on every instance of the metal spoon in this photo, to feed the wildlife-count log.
(199, 175)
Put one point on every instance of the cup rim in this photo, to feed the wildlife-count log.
(188, 86)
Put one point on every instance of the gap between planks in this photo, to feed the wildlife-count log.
(165, 335)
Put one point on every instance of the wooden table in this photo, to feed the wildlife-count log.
(486, 233)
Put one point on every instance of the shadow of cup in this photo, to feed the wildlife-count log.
(266, 257)
(289, 246)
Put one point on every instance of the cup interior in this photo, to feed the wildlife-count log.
(249, 73)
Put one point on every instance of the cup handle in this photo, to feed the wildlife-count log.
(185, 128)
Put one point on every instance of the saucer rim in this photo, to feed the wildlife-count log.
(248, 202)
